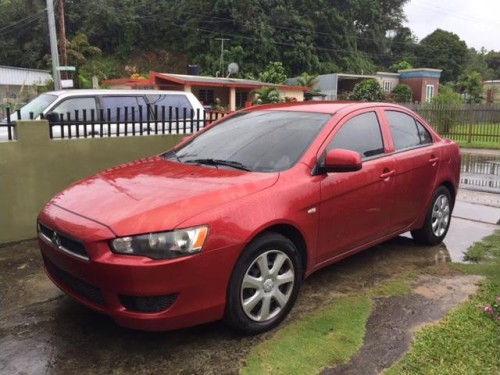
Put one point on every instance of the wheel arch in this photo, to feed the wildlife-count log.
(294, 235)
(451, 188)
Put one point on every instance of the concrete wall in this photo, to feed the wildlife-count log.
(34, 168)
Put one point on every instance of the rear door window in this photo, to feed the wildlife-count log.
(170, 106)
(406, 131)
(124, 108)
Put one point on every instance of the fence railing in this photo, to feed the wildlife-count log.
(148, 120)
(462, 122)
(480, 172)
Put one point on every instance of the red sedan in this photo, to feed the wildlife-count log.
(228, 223)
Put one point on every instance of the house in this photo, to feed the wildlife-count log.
(423, 82)
(492, 91)
(18, 85)
(228, 93)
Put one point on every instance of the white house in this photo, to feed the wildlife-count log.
(17, 85)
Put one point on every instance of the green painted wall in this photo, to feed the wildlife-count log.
(34, 168)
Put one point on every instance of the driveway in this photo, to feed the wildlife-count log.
(44, 332)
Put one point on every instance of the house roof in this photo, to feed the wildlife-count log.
(131, 82)
(183, 79)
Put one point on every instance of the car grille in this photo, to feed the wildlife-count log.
(77, 286)
(63, 242)
(148, 304)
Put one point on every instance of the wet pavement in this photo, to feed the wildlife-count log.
(43, 331)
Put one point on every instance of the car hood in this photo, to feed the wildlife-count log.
(154, 194)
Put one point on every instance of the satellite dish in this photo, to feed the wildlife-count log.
(232, 68)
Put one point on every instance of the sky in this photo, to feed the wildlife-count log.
(476, 22)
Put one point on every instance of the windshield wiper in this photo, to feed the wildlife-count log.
(216, 162)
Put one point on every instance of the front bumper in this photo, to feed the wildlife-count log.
(137, 292)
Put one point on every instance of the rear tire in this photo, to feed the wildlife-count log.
(264, 284)
(437, 220)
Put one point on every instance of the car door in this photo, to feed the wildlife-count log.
(355, 206)
(417, 160)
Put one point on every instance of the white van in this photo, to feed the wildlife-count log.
(84, 113)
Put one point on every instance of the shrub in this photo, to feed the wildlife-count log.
(368, 91)
(402, 94)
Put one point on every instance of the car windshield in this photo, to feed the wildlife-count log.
(36, 106)
(263, 141)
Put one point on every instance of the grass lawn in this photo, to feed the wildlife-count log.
(466, 342)
(479, 145)
(485, 136)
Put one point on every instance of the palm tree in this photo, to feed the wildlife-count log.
(308, 80)
(79, 51)
(265, 95)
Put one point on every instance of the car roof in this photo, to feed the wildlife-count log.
(85, 92)
(329, 107)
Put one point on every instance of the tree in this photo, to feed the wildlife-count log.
(78, 50)
(274, 73)
(24, 33)
(265, 95)
(401, 65)
(402, 94)
(308, 80)
(403, 45)
(368, 90)
(444, 50)
(471, 87)
(492, 59)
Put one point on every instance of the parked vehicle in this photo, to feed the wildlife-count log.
(228, 223)
(83, 113)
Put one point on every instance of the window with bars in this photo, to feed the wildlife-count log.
(206, 96)
(241, 99)
(387, 86)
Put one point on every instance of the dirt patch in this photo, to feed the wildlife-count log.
(390, 328)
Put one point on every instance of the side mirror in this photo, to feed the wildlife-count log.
(339, 160)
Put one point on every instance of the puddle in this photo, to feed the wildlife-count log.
(480, 172)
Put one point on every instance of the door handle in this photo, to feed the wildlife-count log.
(387, 173)
(433, 160)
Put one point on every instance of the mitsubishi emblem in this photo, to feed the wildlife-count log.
(55, 239)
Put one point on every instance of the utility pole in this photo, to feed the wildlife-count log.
(62, 36)
(53, 45)
(221, 68)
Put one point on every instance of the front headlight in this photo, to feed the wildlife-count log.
(163, 245)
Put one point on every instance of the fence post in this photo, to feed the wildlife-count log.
(471, 125)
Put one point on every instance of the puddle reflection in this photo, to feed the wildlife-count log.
(481, 172)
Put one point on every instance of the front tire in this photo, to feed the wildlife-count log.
(437, 220)
(264, 284)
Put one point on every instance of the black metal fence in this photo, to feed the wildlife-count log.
(148, 120)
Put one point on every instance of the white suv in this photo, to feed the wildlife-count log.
(83, 113)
